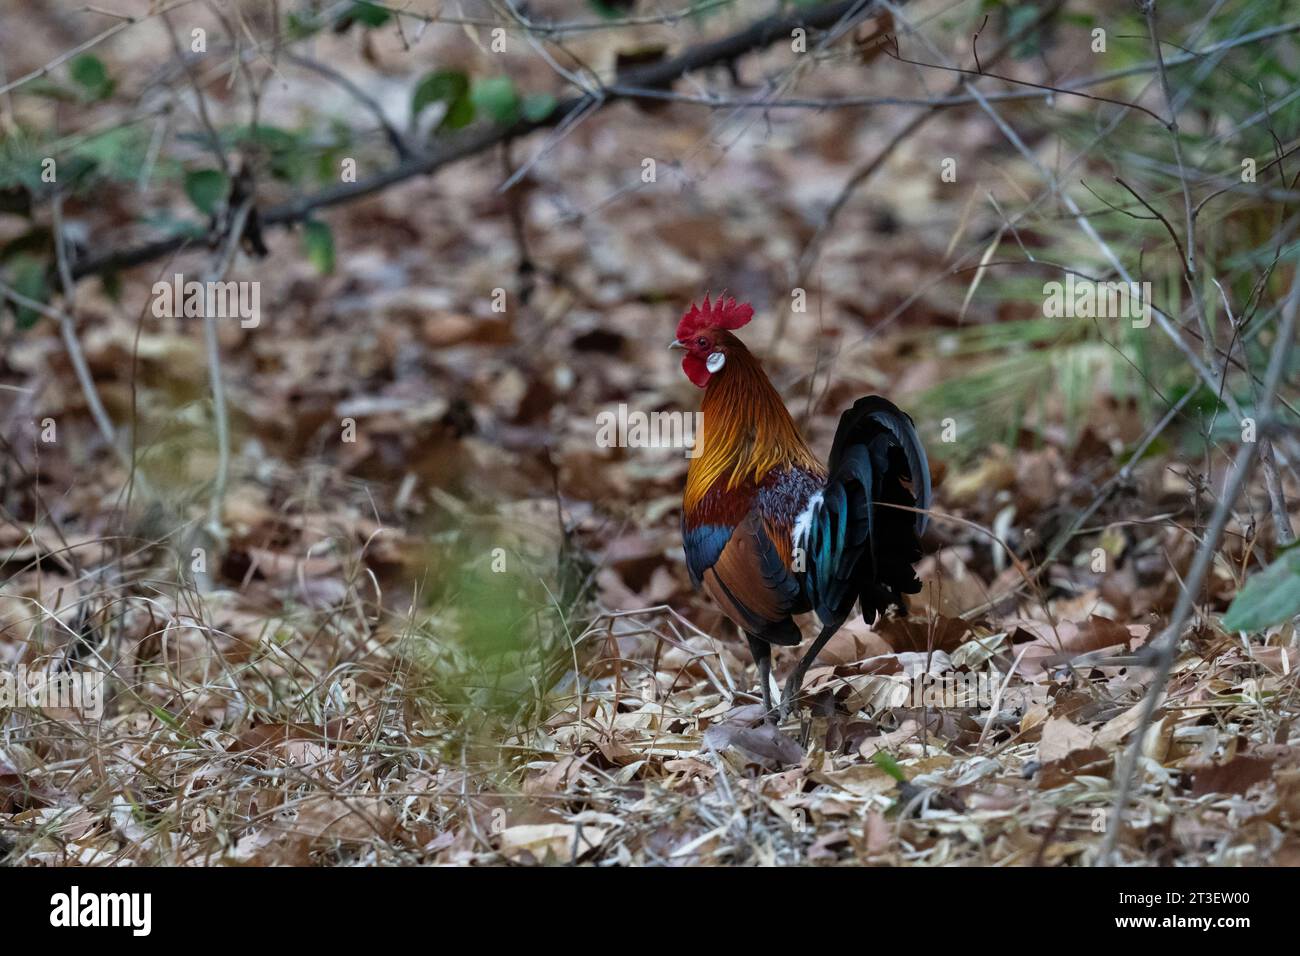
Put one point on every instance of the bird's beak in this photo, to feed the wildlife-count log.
(675, 344)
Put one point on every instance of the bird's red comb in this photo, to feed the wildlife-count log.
(724, 314)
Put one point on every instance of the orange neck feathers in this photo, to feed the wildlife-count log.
(747, 430)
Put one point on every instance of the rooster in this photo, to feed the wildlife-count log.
(770, 533)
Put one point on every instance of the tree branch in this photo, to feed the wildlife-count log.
(68, 329)
(756, 36)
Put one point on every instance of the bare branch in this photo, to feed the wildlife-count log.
(108, 33)
(756, 36)
(68, 328)
(1166, 645)
(395, 137)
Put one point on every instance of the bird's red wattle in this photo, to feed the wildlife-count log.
(696, 370)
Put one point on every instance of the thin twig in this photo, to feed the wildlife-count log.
(395, 137)
(68, 328)
(1277, 497)
(214, 138)
(220, 265)
(1166, 645)
(812, 249)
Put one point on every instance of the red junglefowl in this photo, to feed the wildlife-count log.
(770, 533)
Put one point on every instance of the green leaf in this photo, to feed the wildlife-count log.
(89, 73)
(111, 283)
(206, 188)
(887, 764)
(115, 154)
(298, 26)
(437, 87)
(497, 97)
(289, 152)
(445, 86)
(274, 139)
(318, 243)
(166, 717)
(1269, 597)
(612, 9)
(459, 115)
(538, 106)
(368, 15)
(27, 276)
(1019, 18)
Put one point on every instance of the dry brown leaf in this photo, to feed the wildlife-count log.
(855, 642)
(1235, 776)
(889, 741)
(1050, 647)
(1117, 728)
(1061, 737)
(765, 744)
(992, 474)
(558, 841)
(922, 636)
(1091, 761)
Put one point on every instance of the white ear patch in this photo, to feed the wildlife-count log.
(715, 361)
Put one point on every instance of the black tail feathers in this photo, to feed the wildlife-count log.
(862, 549)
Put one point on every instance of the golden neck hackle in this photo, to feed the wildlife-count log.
(747, 430)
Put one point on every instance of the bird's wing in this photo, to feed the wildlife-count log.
(708, 525)
(703, 544)
(752, 584)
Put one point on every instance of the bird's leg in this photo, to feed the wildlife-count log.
(793, 683)
(762, 653)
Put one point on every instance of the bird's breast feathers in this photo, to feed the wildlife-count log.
(775, 506)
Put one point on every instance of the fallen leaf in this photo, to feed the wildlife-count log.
(764, 743)
(1235, 776)
(560, 841)
(1062, 737)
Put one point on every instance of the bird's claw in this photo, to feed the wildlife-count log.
(788, 699)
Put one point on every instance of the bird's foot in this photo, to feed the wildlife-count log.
(789, 698)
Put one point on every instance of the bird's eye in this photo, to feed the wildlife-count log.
(701, 341)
